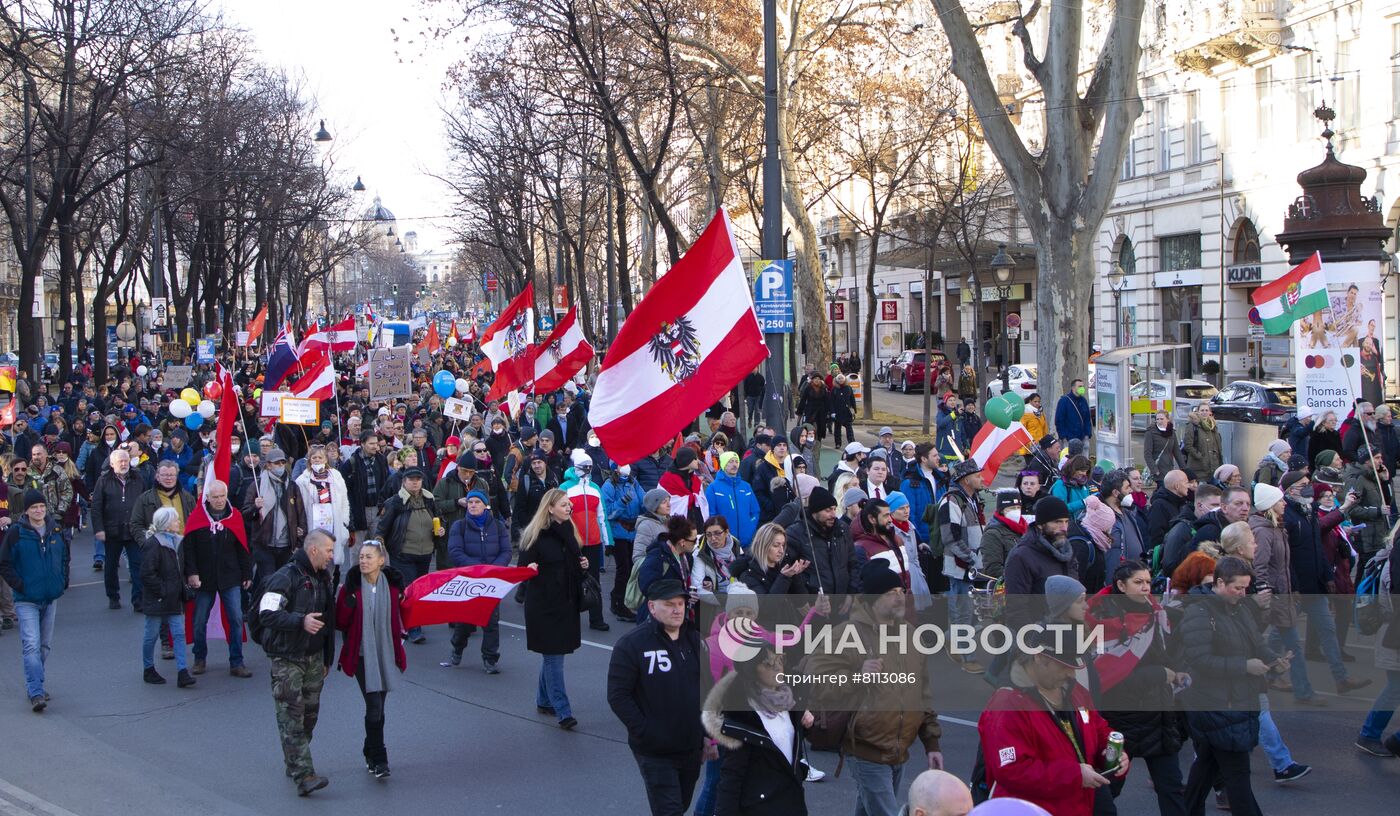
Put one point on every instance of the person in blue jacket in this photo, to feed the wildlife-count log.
(1073, 418)
(479, 537)
(924, 484)
(34, 561)
(622, 505)
(1073, 486)
(733, 498)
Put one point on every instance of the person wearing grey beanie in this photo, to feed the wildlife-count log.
(1061, 594)
(656, 504)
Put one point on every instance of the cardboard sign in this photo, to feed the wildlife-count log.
(390, 373)
(178, 376)
(272, 403)
(297, 411)
(455, 408)
(240, 338)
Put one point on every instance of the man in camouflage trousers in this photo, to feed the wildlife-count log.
(296, 612)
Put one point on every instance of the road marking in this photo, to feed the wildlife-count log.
(32, 804)
(943, 718)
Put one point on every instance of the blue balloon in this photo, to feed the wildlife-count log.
(194, 421)
(444, 384)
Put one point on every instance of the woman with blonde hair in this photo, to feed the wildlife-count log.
(163, 594)
(553, 599)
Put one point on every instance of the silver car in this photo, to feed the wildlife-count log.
(1189, 394)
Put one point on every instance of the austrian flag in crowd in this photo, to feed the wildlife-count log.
(338, 337)
(992, 445)
(691, 339)
(460, 595)
(507, 343)
(562, 355)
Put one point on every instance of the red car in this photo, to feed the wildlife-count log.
(907, 371)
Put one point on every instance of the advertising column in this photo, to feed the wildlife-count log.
(1337, 351)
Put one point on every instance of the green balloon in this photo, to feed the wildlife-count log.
(998, 412)
(1018, 405)
(1106, 465)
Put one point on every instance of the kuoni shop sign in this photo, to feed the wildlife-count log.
(1240, 274)
(990, 295)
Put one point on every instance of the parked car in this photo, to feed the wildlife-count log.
(1021, 378)
(907, 371)
(1189, 394)
(1270, 403)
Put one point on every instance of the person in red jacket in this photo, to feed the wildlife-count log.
(1042, 741)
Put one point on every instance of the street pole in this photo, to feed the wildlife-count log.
(774, 409)
(1003, 292)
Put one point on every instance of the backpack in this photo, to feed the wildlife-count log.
(632, 599)
(1373, 605)
(253, 619)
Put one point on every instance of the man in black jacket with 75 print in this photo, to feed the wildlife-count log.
(654, 688)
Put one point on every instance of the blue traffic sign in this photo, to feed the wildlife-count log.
(772, 296)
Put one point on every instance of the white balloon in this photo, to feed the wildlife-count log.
(180, 409)
(142, 371)
(206, 409)
(463, 386)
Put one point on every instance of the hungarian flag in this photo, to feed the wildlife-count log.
(562, 354)
(218, 469)
(992, 445)
(318, 382)
(338, 337)
(460, 595)
(508, 344)
(255, 326)
(691, 339)
(1292, 297)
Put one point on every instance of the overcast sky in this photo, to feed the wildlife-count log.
(380, 98)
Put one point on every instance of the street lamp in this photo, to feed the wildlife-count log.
(1117, 282)
(833, 281)
(358, 187)
(1002, 267)
(323, 135)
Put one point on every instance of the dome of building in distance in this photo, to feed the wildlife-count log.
(379, 212)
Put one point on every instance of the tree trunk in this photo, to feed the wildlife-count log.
(867, 397)
(1064, 282)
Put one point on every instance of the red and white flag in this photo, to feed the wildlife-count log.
(470, 336)
(339, 337)
(460, 595)
(691, 339)
(217, 469)
(561, 355)
(992, 445)
(305, 344)
(318, 382)
(508, 344)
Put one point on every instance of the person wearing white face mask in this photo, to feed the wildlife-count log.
(1002, 532)
(327, 502)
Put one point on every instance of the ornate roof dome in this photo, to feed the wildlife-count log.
(379, 212)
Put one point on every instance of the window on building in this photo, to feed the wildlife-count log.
(1130, 158)
(1395, 71)
(1127, 256)
(1346, 88)
(1161, 118)
(1227, 106)
(1264, 111)
(1246, 249)
(1303, 97)
(1181, 252)
(1193, 127)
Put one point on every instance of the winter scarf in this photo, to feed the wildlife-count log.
(1017, 526)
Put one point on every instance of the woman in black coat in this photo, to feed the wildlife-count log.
(553, 599)
(754, 722)
(1324, 436)
(163, 594)
(843, 411)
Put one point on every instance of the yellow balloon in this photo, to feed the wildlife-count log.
(191, 396)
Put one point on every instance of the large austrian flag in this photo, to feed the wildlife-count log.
(1292, 297)
(507, 343)
(992, 445)
(460, 594)
(562, 354)
(691, 339)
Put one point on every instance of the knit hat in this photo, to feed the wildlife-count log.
(1279, 447)
(580, 457)
(477, 494)
(1297, 461)
(853, 496)
(1330, 475)
(655, 499)
(1190, 475)
(727, 457)
(820, 499)
(805, 485)
(1051, 508)
(1098, 521)
(1291, 478)
(31, 498)
(547, 434)
(684, 458)
(896, 500)
(1320, 489)
(740, 597)
(1322, 458)
(1061, 591)
(1008, 498)
(1224, 472)
(454, 440)
(1266, 496)
(876, 577)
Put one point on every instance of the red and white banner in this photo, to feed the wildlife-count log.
(218, 469)
(992, 445)
(460, 595)
(691, 339)
(562, 355)
(508, 344)
(339, 337)
(305, 344)
(318, 382)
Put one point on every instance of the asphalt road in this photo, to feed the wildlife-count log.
(459, 741)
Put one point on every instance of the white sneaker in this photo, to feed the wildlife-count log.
(814, 775)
